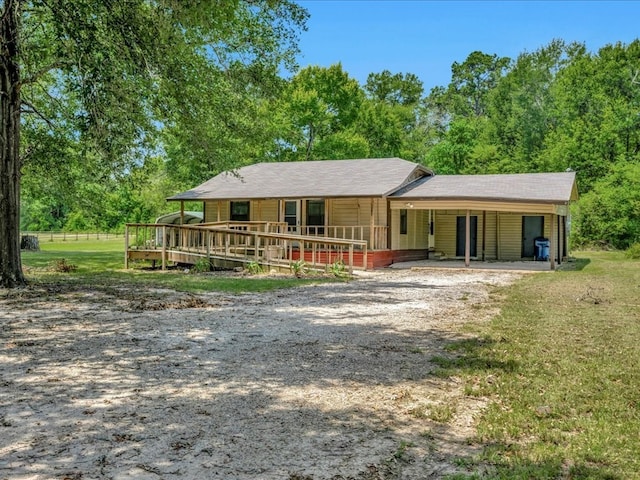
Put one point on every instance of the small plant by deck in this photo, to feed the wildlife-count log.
(254, 268)
(201, 266)
(299, 268)
(338, 269)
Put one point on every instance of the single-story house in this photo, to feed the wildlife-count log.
(402, 209)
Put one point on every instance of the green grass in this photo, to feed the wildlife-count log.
(560, 365)
(101, 262)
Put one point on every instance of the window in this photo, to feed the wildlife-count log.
(239, 212)
(403, 221)
(315, 216)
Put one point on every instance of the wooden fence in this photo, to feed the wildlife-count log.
(60, 236)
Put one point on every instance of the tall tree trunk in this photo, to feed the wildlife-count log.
(10, 264)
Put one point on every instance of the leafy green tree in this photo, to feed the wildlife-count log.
(217, 122)
(394, 89)
(609, 214)
(389, 117)
(120, 66)
(472, 80)
(317, 103)
(453, 154)
(522, 106)
(455, 117)
(596, 106)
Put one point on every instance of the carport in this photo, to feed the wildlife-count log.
(489, 217)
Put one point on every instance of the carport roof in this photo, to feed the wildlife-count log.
(556, 188)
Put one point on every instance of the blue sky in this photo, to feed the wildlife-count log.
(426, 37)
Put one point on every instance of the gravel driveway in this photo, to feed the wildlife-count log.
(329, 381)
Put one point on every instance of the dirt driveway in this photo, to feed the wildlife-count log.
(331, 381)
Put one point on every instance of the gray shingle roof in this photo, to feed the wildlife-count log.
(329, 178)
(522, 187)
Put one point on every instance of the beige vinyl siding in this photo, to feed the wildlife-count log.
(211, 211)
(347, 211)
(418, 229)
(490, 244)
(417, 235)
(445, 232)
(510, 236)
(380, 211)
(357, 211)
(259, 210)
(264, 210)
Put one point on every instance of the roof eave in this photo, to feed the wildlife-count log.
(483, 199)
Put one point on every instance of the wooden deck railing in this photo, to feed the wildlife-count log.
(376, 241)
(267, 227)
(237, 241)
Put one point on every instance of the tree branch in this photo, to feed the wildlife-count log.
(36, 76)
(33, 110)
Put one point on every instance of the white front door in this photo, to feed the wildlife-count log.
(292, 215)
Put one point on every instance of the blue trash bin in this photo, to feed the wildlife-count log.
(542, 247)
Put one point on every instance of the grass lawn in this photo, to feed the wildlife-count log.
(560, 365)
(101, 262)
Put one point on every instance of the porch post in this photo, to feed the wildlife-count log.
(467, 245)
(484, 233)
(372, 223)
(560, 241)
(553, 242)
(428, 232)
(181, 212)
(164, 247)
(327, 209)
(388, 238)
(565, 236)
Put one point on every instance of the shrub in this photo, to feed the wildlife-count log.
(633, 251)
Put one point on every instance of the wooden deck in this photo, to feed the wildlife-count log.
(229, 244)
